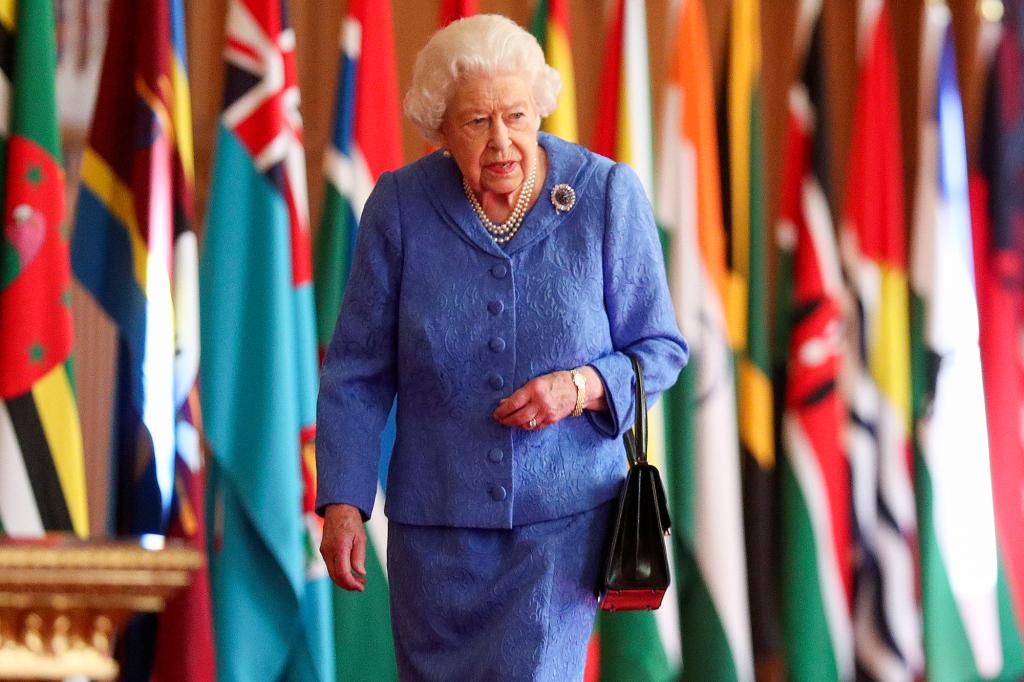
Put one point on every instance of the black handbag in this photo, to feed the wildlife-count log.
(636, 574)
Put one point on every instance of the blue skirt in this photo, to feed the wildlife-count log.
(474, 604)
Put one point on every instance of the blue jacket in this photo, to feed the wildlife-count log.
(440, 315)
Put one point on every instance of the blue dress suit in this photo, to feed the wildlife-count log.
(438, 314)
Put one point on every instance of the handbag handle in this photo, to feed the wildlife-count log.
(640, 412)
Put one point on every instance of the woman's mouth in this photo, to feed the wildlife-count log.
(502, 167)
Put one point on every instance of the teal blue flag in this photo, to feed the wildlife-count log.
(271, 600)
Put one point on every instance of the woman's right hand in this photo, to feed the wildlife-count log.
(343, 546)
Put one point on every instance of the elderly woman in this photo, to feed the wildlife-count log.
(499, 285)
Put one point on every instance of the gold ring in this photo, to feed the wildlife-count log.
(532, 424)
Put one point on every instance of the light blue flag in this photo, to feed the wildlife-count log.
(272, 613)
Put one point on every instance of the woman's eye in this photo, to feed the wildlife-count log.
(516, 115)
(479, 120)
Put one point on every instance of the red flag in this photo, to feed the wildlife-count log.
(998, 228)
(456, 9)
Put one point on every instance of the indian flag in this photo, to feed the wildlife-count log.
(815, 532)
(550, 27)
(705, 480)
(959, 559)
(366, 141)
(42, 473)
(638, 643)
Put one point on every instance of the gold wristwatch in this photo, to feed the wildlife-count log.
(580, 380)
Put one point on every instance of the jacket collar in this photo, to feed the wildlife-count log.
(441, 180)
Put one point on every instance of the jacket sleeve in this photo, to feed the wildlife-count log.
(640, 314)
(358, 377)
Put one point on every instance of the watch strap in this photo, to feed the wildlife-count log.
(580, 381)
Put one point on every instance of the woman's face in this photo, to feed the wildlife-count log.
(490, 128)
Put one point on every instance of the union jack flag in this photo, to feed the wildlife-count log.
(261, 106)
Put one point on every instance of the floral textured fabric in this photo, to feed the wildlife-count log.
(481, 604)
(439, 315)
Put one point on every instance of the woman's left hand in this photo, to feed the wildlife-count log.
(548, 399)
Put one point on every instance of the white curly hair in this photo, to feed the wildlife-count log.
(481, 44)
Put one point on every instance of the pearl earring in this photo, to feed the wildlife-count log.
(446, 154)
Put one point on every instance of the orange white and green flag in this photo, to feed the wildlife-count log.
(705, 477)
(550, 26)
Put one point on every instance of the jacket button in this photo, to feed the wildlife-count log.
(495, 307)
(498, 493)
(497, 344)
(496, 455)
(499, 271)
(495, 381)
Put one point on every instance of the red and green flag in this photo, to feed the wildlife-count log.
(366, 142)
(997, 202)
(42, 473)
(550, 26)
(815, 532)
(704, 479)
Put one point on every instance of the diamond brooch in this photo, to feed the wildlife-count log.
(563, 197)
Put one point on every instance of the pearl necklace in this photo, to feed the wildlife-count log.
(502, 234)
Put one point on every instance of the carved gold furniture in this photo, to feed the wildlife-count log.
(62, 600)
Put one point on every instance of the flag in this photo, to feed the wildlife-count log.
(997, 191)
(455, 9)
(747, 312)
(366, 142)
(959, 563)
(635, 644)
(550, 26)
(705, 481)
(887, 629)
(42, 473)
(271, 594)
(135, 251)
(816, 567)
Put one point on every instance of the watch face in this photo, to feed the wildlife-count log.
(579, 380)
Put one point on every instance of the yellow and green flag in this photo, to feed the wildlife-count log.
(747, 311)
(550, 27)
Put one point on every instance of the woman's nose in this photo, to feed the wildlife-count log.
(499, 135)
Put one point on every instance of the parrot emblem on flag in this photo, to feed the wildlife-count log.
(23, 238)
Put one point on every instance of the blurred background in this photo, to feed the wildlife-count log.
(856, 508)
